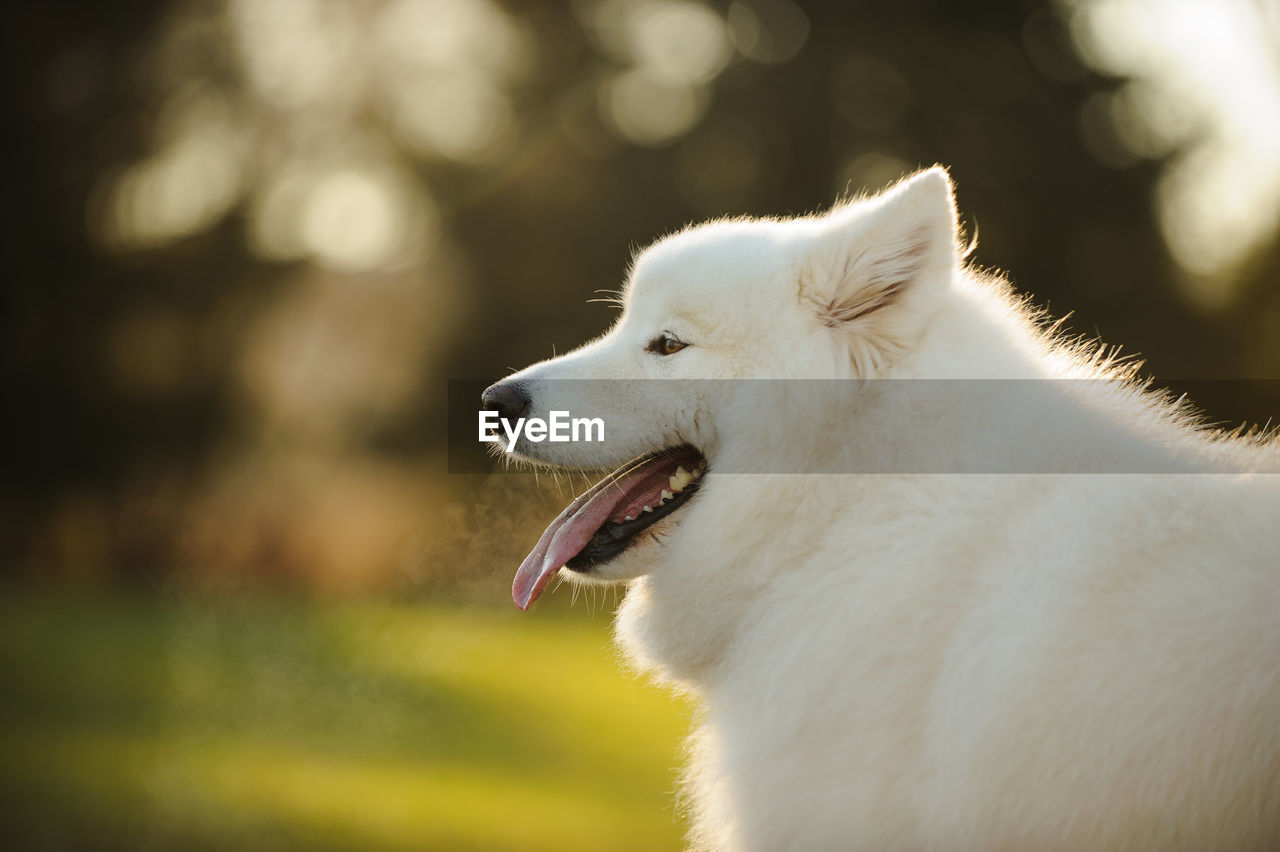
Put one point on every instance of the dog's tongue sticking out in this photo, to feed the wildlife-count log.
(616, 498)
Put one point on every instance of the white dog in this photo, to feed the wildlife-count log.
(983, 592)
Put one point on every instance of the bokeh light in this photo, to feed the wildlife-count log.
(1204, 82)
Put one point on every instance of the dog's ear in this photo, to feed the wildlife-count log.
(877, 264)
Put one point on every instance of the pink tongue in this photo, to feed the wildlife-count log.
(576, 525)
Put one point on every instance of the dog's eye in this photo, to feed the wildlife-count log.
(665, 344)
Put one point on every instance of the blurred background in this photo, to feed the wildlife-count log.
(251, 242)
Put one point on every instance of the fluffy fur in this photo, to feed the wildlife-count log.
(939, 660)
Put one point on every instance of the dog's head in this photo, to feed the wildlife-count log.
(840, 295)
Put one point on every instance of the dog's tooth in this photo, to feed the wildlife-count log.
(629, 518)
(666, 495)
(647, 509)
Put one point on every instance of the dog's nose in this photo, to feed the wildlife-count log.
(508, 399)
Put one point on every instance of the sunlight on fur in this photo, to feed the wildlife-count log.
(1086, 658)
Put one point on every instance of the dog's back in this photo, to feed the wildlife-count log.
(1017, 662)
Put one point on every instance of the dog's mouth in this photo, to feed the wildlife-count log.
(607, 518)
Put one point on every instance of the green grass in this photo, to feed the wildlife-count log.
(180, 723)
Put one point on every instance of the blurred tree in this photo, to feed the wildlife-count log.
(247, 234)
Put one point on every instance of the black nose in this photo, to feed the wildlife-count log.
(508, 399)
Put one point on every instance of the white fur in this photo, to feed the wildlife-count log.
(937, 661)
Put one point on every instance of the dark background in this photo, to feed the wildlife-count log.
(152, 367)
